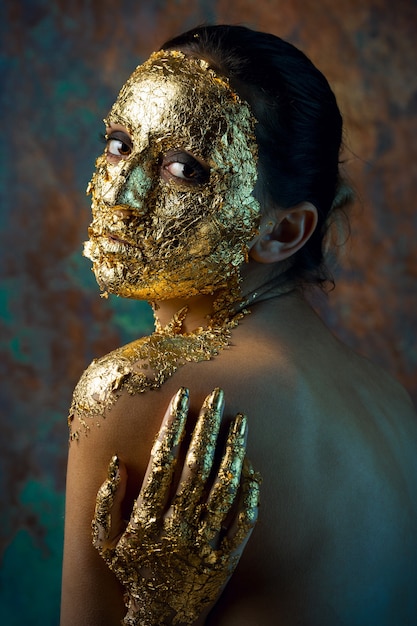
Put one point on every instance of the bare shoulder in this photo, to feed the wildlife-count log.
(104, 380)
(114, 411)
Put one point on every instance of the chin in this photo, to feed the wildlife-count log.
(111, 282)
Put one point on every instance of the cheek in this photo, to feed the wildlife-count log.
(205, 221)
(188, 207)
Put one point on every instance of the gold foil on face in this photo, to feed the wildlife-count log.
(153, 238)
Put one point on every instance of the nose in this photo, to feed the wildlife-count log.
(132, 195)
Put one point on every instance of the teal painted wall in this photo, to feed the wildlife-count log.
(61, 65)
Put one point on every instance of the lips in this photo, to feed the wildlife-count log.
(111, 237)
(117, 239)
(109, 243)
(116, 245)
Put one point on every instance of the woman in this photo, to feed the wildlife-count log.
(213, 199)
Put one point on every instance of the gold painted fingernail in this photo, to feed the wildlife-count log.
(181, 400)
(216, 399)
(113, 468)
(240, 425)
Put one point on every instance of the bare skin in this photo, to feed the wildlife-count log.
(335, 440)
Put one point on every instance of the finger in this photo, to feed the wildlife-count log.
(247, 509)
(107, 524)
(159, 474)
(199, 459)
(226, 485)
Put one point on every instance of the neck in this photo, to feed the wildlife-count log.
(198, 315)
(259, 283)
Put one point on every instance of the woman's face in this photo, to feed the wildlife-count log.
(173, 210)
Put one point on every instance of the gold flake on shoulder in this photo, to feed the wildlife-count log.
(143, 365)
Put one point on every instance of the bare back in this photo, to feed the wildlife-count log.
(335, 440)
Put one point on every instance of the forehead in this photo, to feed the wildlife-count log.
(174, 97)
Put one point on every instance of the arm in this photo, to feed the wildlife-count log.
(176, 555)
(91, 593)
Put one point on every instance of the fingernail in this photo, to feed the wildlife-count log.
(113, 468)
(216, 399)
(240, 425)
(181, 400)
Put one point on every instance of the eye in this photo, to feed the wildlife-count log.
(119, 145)
(182, 167)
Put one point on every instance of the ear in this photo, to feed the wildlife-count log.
(283, 233)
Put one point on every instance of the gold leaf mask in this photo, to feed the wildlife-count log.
(173, 216)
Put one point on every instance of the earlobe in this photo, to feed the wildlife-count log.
(284, 233)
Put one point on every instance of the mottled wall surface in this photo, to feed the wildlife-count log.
(61, 65)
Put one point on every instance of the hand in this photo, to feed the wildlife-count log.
(176, 554)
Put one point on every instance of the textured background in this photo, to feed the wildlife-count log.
(62, 64)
